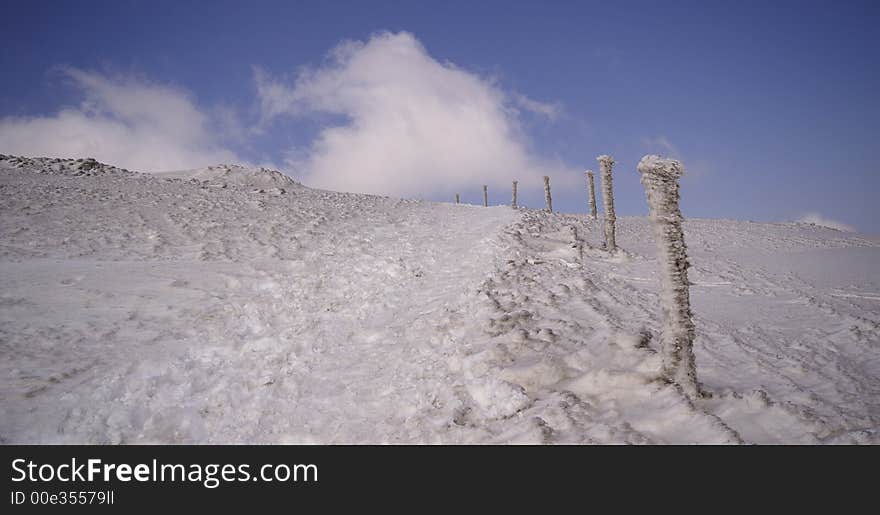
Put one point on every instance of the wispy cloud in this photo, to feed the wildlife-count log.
(695, 168)
(551, 111)
(411, 123)
(662, 145)
(125, 121)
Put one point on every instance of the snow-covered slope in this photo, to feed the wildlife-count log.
(235, 305)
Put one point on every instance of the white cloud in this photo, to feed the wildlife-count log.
(817, 219)
(122, 121)
(411, 124)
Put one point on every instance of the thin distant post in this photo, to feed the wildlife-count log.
(548, 200)
(457, 200)
(485, 196)
(605, 164)
(591, 187)
(513, 200)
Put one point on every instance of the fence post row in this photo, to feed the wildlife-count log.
(660, 179)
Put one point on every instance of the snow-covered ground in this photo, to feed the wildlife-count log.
(234, 305)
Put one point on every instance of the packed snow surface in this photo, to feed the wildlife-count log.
(233, 305)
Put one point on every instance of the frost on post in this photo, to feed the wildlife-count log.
(592, 191)
(513, 199)
(547, 198)
(605, 164)
(660, 179)
(485, 196)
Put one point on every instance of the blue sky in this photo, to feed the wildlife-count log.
(772, 106)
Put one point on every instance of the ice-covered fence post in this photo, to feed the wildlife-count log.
(547, 198)
(456, 198)
(592, 190)
(605, 164)
(660, 179)
(485, 196)
(513, 200)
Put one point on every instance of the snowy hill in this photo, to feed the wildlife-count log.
(223, 176)
(234, 305)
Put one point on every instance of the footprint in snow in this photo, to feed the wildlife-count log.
(71, 280)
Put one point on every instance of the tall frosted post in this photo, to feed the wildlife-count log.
(605, 164)
(513, 199)
(591, 187)
(485, 196)
(547, 198)
(660, 178)
(456, 198)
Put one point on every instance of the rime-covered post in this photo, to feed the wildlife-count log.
(591, 187)
(513, 199)
(605, 164)
(547, 198)
(485, 196)
(660, 179)
(456, 198)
